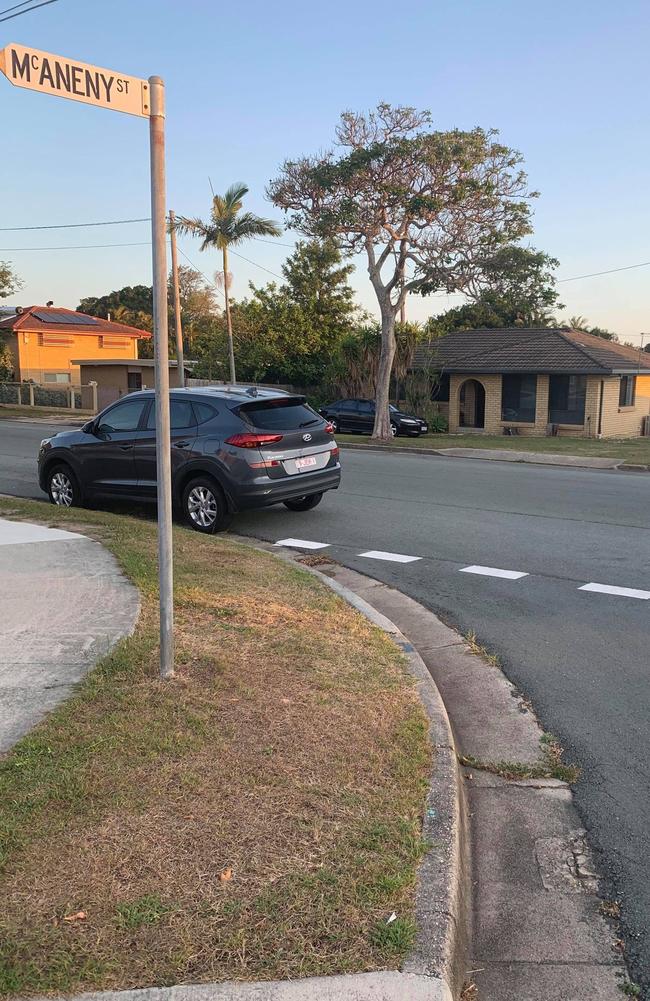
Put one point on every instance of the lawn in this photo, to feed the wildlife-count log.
(258, 816)
(632, 450)
(7, 411)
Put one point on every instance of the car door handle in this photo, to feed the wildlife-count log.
(181, 444)
(127, 447)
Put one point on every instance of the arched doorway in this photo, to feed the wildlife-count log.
(471, 409)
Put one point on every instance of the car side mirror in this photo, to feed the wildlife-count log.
(88, 427)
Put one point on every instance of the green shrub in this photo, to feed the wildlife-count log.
(438, 424)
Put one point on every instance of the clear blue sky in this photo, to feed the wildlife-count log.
(249, 84)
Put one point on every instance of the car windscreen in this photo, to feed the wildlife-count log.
(279, 415)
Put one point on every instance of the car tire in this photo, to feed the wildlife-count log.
(63, 487)
(204, 506)
(394, 430)
(305, 503)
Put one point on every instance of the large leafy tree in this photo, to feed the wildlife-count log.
(303, 321)
(137, 299)
(427, 208)
(10, 283)
(289, 332)
(227, 227)
(516, 288)
(133, 305)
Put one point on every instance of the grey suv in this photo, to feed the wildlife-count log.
(232, 448)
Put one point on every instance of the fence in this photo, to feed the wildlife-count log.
(33, 394)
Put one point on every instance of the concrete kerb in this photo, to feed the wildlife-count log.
(443, 888)
(534, 458)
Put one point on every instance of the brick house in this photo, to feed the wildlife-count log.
(43, 342)
(537, 381)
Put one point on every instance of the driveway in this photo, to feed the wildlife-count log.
(506, 550)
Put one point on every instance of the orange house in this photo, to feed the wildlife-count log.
(44, 340)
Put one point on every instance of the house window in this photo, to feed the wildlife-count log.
(440, 389)
(627, 391)
(566, 399)
(133, 381)
(519, 398)
(56, 377)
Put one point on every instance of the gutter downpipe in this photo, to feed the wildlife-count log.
(600, 409)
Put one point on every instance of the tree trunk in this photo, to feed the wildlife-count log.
(231, 349)
(381, 430)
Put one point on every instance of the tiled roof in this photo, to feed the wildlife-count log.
(530, 349)
(96, 325)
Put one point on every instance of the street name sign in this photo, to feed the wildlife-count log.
(61, 77)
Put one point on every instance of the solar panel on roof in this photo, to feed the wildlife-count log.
(75, 319)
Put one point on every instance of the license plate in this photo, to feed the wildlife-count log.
(424, 429)
(307, 460)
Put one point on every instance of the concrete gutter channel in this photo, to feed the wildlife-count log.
(520, 898)
(507, 895)
(507, 455)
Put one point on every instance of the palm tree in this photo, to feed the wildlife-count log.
(579, 323)
(227, 227)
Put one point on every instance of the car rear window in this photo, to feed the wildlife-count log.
(280, 415)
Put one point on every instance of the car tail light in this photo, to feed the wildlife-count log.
(250, 440)
(335, 452)
(329, 428)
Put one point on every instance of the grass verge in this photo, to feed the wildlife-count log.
(257, 817)
(630, 450)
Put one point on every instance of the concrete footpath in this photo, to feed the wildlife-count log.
(536, 930)
(63, 604)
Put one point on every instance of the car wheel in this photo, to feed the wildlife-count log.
(62, 487)
(204, 506)
(305, 503)
(394, 430)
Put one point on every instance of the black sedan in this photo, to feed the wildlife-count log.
(358, 417)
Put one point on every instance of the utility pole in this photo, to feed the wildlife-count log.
(231, 348)
(161, 367)
(178, 322)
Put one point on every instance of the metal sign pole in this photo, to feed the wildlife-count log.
(58, 76)
(161, 365)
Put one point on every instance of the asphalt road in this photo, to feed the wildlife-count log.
(581, 657)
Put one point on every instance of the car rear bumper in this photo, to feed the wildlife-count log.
(263, 494)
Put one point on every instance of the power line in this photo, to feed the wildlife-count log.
(72, 225)
(274, 243)
(255, 264)
(87, 246)
(205, 277)
(28, 11)
(16, 6)
(596, 274)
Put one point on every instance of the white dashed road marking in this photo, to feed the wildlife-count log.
(623, 592)
(302, 544)
(377, 554)
(494, 572)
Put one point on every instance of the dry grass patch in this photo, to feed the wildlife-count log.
(257, 817)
